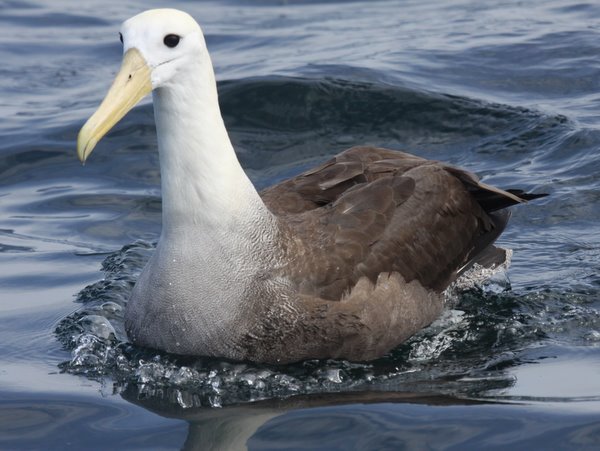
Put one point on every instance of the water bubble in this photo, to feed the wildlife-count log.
(86, 359)
(149, 372)
(215, 401)
(111, 307)
(97, 325)
(248, 379)
(333, 375)
(182, 376)
(185, 399)
(215, 383)
(593, 336)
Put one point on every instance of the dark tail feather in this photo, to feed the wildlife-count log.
(489, 197)
(526, 196)
(484, 252)
(491, 201)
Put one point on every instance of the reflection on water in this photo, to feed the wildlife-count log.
(231, 427)
(359, 421)
(331, 421)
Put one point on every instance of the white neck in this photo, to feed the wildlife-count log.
(203, 184)
(217, 234)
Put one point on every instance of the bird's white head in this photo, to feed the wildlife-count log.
(167, 39)
(158, 46)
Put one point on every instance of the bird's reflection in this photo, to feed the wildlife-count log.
(230, 427)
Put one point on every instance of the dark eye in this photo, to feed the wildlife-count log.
(171, 40)
(121, 38)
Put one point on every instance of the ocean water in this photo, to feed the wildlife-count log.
(509, 89)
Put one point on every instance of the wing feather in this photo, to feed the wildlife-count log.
(371, 210)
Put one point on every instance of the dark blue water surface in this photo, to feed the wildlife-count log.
(508, 89)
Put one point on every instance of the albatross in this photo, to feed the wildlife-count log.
(346, 260)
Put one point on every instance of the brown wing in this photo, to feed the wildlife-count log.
(326, 183)
(369, 211)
